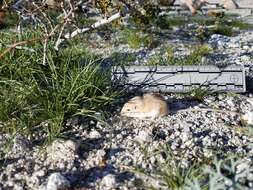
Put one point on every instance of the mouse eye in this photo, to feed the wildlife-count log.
(135, 107)
(128, 109)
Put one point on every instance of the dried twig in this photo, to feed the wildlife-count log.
(13, 46)
(83, 30)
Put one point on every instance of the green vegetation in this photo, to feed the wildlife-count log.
(166, 22)
(176, 177)
(41, 97)
(122, 59)
(170, 173)
(209, 174)
(222, 24)
(135, 39)
(199, 94)
(168, 57)
(223, 174)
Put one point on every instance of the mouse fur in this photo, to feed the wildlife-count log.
(147, 106)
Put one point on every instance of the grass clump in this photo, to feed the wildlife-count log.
(176, 177)
(168, 57)
(199, 94)
(166, 22)
(170, 173)
(218, 23)
(227, 26)
(236, 23)
(197, 54)
(71, 83)
(223, 174)
(230, 171)
(135, 39)
(130, 37)
(122, 58)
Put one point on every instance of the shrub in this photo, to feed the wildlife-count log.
(72, 82)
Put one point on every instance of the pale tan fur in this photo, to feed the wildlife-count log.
(148, 106)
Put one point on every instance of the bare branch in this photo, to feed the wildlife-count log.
(83, 30)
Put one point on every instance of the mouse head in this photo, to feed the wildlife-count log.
(132, 107)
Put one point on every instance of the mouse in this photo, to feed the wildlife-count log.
(148, 106)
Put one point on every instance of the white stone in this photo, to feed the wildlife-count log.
(39, 173)
(143, 136)
(101, 153)
(250, 100)
(109, 181)
(17, 187)
(184, 136)
(94, 134)
(248, 117)
(57, 182)
(250, 177)
(62, 150)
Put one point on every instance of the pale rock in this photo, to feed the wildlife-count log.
(245, 58)
(184, 136)
(17, 187)
(101, 153)
(39, 173)
(20, 147)
(62, 150)
(250, 177)
(94, 134)
(248, 117)
(56, 181)
(143, 136)
(250, 100)
(51, 3)
(109, 181)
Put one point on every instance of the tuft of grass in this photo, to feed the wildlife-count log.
(197, 54)
(222, 29)
(72, 83)
(199, 93)
(167, 22)
(135, 39)
(223, 174)
(170, 174)
(225, 24)
(194, 58)
(122, 59)
(132, 38)
(240, 24)
(176, 177)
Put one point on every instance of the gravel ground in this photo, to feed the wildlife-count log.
(104, 156)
